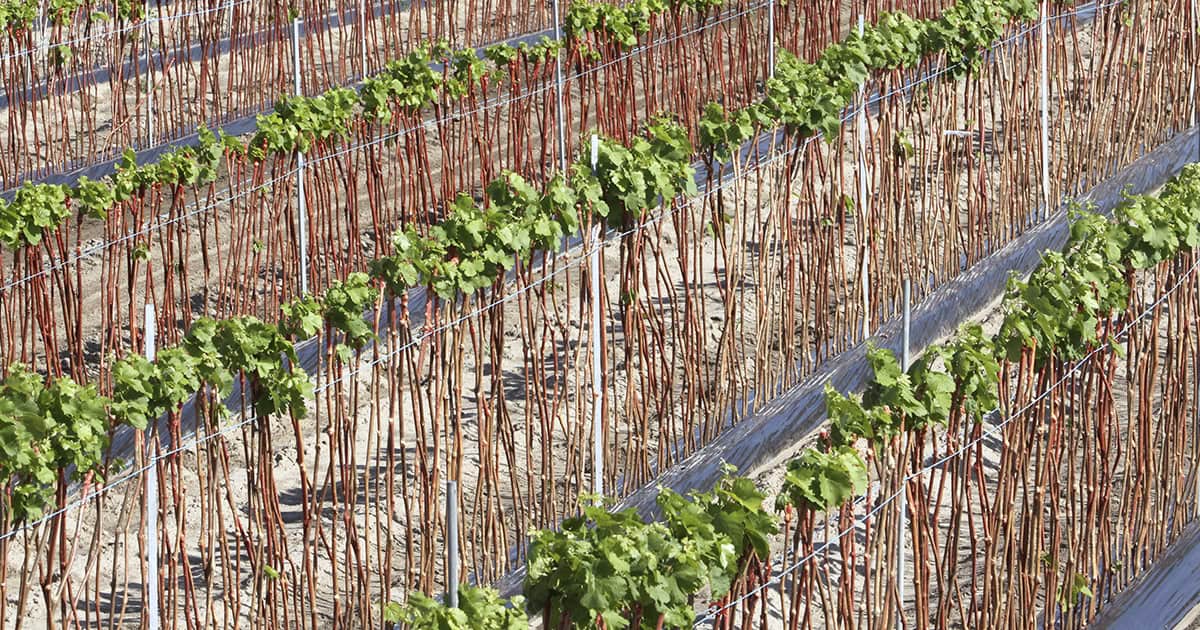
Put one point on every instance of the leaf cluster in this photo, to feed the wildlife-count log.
(61, 11)
(479, 608)
(1056, 313)
(617, 570)
(17, 16)
(298, 122)
(809, 98)
(477, 242)
(652, 170)
(46, 429)
(622, 25)
(213, 353)
(36, 209)
(342, 309)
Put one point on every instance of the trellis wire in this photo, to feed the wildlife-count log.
(46, 45)
(637, 50)
(491, 104)
(92, 250)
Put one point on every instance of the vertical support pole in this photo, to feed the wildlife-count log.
(146, 32)
(906, 336)
(905, 361)
(43, 25)
(452, 543)
(901, 559)
(863, 202)
(770, 38)
(1195, 31)
(151, 331)
(597, 323)
(296, 86)
(150, 590)
(363, 8)
(1195, 50)
(302, 204)
(1044, 104)
(558, 90)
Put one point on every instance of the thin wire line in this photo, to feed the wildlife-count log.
(159, 223)
(496, 102)
(492, 103)
(120, 31)
(91, 251)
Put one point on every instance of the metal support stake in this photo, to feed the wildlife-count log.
(558, 89)
(906, 336)
(362, 29)
(771, 38)
(151, 331)
(905, 362)
(43, 25)
(901, 568)
(452, 543)
(1195, 49)
(150, 131)
(302, 204)
(151, 587)
(1044, 105)
(1196, 65)
(863, 202)
(597, 323)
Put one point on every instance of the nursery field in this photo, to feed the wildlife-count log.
(310, 312)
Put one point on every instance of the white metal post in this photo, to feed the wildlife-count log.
(905, 361)
(43, 26)
(558, 89)
(146, 32)
(1195, 48)
(41, 23)
(452, 543)
(597, 322)
(362, 37)
(771, 38)
(302, 204)
(1044, 105)
(901, 568)
(906, 336)
(150, 590)
(1195, 35)
(862, 198)
(151, 333)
